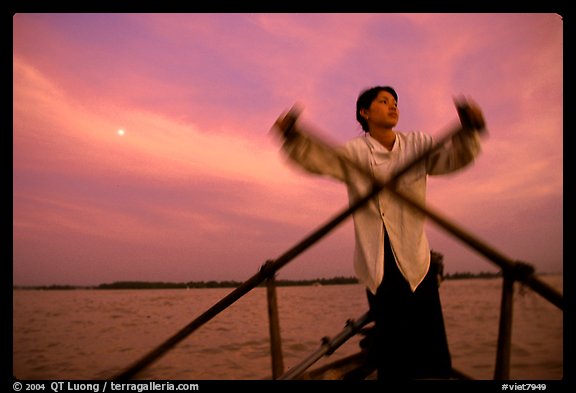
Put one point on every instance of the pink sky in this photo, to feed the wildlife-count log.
(196, 188)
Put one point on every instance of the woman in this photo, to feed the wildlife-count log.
(392, 255)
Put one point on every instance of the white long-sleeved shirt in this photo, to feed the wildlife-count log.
(404, 225)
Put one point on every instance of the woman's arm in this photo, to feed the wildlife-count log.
(307, 152)
(464, 146)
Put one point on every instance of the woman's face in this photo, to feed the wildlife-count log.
(383, 111)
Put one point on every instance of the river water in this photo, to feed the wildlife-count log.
(96, 334)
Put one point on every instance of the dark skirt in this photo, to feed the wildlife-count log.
(409, 338)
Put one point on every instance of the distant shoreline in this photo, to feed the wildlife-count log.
(234, 284)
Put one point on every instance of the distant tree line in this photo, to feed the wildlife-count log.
(167, 285)
(436, 259)
(456, 276)
(194, 284)
(235, 284)
(221, 284)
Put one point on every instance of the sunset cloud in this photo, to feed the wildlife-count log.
(196, 188)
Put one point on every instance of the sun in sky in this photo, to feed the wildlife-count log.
(121, 132)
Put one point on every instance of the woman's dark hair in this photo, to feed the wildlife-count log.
(365, 99)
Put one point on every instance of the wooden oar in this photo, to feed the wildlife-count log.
(521, 271)
(270, 268)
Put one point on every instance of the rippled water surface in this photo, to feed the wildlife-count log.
(95, 334)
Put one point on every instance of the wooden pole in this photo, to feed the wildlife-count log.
(502, 368)
(274, 326)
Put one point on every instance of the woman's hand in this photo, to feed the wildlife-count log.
(286, 123)
(470, 114)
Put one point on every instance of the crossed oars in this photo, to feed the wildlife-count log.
(270, 267)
